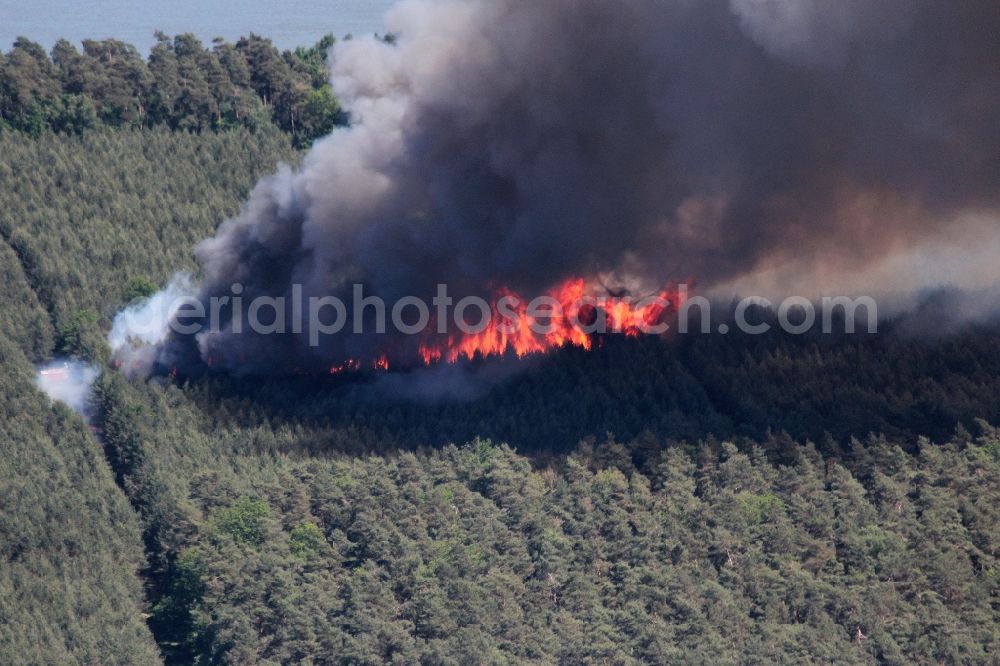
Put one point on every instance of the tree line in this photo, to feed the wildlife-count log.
(183, 85)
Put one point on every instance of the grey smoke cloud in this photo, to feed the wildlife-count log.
(820, 31)
(501, 142)
(68, 381)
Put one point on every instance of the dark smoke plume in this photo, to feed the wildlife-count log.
(517, 143)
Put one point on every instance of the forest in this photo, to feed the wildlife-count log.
(181, 85)
(717, 499)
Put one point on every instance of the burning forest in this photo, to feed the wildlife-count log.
(530, 331)
(544, 150)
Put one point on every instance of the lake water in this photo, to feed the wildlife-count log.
(289, 24)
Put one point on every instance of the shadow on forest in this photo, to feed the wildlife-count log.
(825, 388)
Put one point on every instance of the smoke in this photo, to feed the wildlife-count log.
(948, 310)
(961, 255)
(820, 31)
(449, 382)
(515, 144)
(139, 329)
(68, 382)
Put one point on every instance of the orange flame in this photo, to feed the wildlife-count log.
(380, 364)
(568, 317)
(350, 364)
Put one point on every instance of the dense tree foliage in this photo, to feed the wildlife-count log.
(69, 541)
(276, 546)
(87, 223)
(712, 499)
(90, 222)
(183, 85)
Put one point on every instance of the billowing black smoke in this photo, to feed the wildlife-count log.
(517, 143)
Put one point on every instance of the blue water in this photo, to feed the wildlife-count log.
(289, 24)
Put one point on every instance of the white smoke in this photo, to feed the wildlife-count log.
(68, 382)
(817, 31)
(140, 328)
